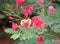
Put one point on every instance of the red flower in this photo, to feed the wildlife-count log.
(40, 39)
(51, 9)
(25, 12)
(14, 26)
(28, 10)
(26, 23)
(20, 1)
(37, 22)
(40, 1)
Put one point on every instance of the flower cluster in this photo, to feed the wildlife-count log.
(35, 21)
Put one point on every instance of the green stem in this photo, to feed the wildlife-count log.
(49, 34)
(42, 10)
(9, 14)
(48, 4)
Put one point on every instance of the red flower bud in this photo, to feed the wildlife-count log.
(40, 39)
(51, 9)
(14, 26)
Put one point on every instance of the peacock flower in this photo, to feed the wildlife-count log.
(28, 10)
(38, 22)
(40, 39)
(25, 23)
(51, 9)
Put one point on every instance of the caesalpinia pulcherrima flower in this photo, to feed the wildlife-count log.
(40, 1)
(25, 13)
(28, 10)
(14, 25)
(26, 23)
(20, 2)
(51, 9)
(37, 22)
(40, 39)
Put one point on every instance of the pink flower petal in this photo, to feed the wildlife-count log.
(14, 26)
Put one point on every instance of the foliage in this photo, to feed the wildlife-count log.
(25, 35)
(33, 41)
(1, 33)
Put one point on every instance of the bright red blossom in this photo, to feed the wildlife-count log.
(40, 39)
(28, 10)
(40, 1)
(37, 22)
(14, 26)
(20, 1)
(26, 23)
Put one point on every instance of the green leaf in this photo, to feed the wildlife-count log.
(2, 16)
(2, 33)
(2, 4)
(9, 8)
(33, 41)
(23, 37)
(15, 36)
(11, 31)
(11, 1)
(41, 31)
